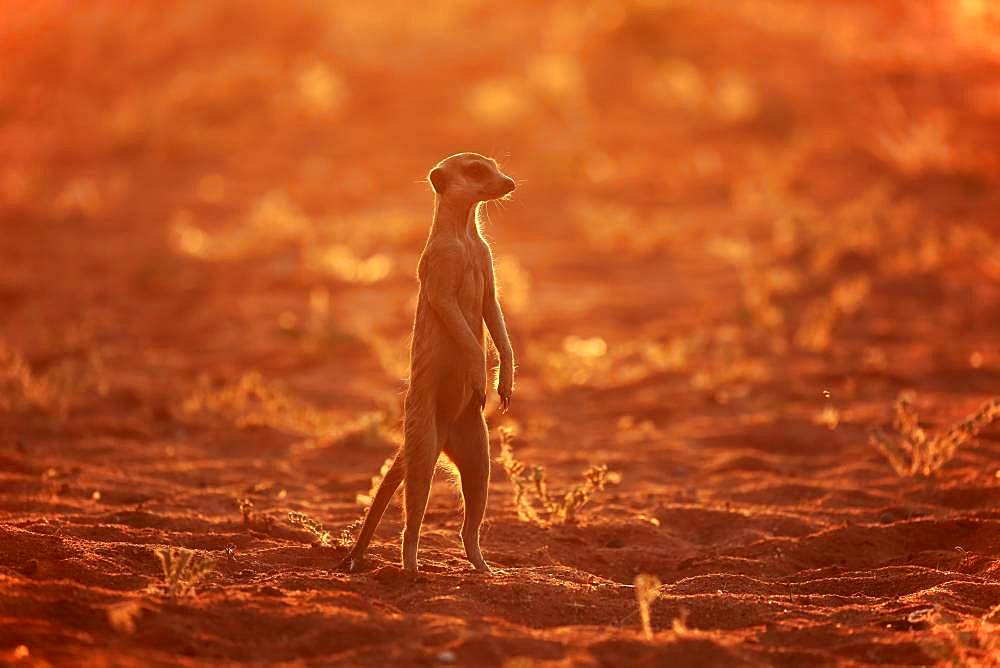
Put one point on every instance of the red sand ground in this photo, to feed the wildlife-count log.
(194, 198)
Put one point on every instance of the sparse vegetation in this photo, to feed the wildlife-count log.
(251, 517)
(913, 452)
(533, 499)
(716, 359)
(251, 401)
(246, 509)
(961, 640)
(183, 569)
(303, 521)
(647, 590)
(122, 616)
(835, 263)
(347, 535)
(56, 389)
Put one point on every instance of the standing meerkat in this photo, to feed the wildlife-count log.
(443, 411)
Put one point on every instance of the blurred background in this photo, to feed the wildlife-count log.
(203, 175)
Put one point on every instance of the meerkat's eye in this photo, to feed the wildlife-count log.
(477, 170)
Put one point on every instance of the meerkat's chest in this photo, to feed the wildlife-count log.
(470, 292)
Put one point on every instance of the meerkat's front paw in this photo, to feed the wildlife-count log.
(504, 401)
(505, 389)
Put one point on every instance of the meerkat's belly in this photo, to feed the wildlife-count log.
(434, 355)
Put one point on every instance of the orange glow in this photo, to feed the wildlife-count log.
(750, 270)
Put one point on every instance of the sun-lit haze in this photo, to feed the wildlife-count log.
(751, 273)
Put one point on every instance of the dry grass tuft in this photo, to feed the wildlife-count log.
(251, 401)
(718, 359)
(532, 498)
(820, 269)
(961, 641)
(303, 521)
(647, 589)
(251, 517)
(347, 535)
(54, 390)
(182, 569)
(247, 509)
(912, 452)
(846, 297)
(122, 616)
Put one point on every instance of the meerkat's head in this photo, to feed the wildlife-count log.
(470, 176)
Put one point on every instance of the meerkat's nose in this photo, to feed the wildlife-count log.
(510, 183)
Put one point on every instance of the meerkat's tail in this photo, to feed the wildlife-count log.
(390, 483)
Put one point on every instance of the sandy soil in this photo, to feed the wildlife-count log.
(740, 234)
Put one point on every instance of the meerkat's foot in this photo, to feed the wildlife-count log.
(473, 553)
(475, 557)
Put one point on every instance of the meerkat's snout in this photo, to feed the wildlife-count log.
(508, 185)
(501, 186)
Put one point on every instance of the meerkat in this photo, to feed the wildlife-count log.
(443, 409)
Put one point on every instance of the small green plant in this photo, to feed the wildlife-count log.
(912, 452)
(182, 569)
(647, 589)
(303, 521)
(531, 491)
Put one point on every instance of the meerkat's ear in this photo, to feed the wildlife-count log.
(438, 180)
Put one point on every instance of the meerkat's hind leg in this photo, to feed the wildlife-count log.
(420, 450)
(386, 489)
(469, 449)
